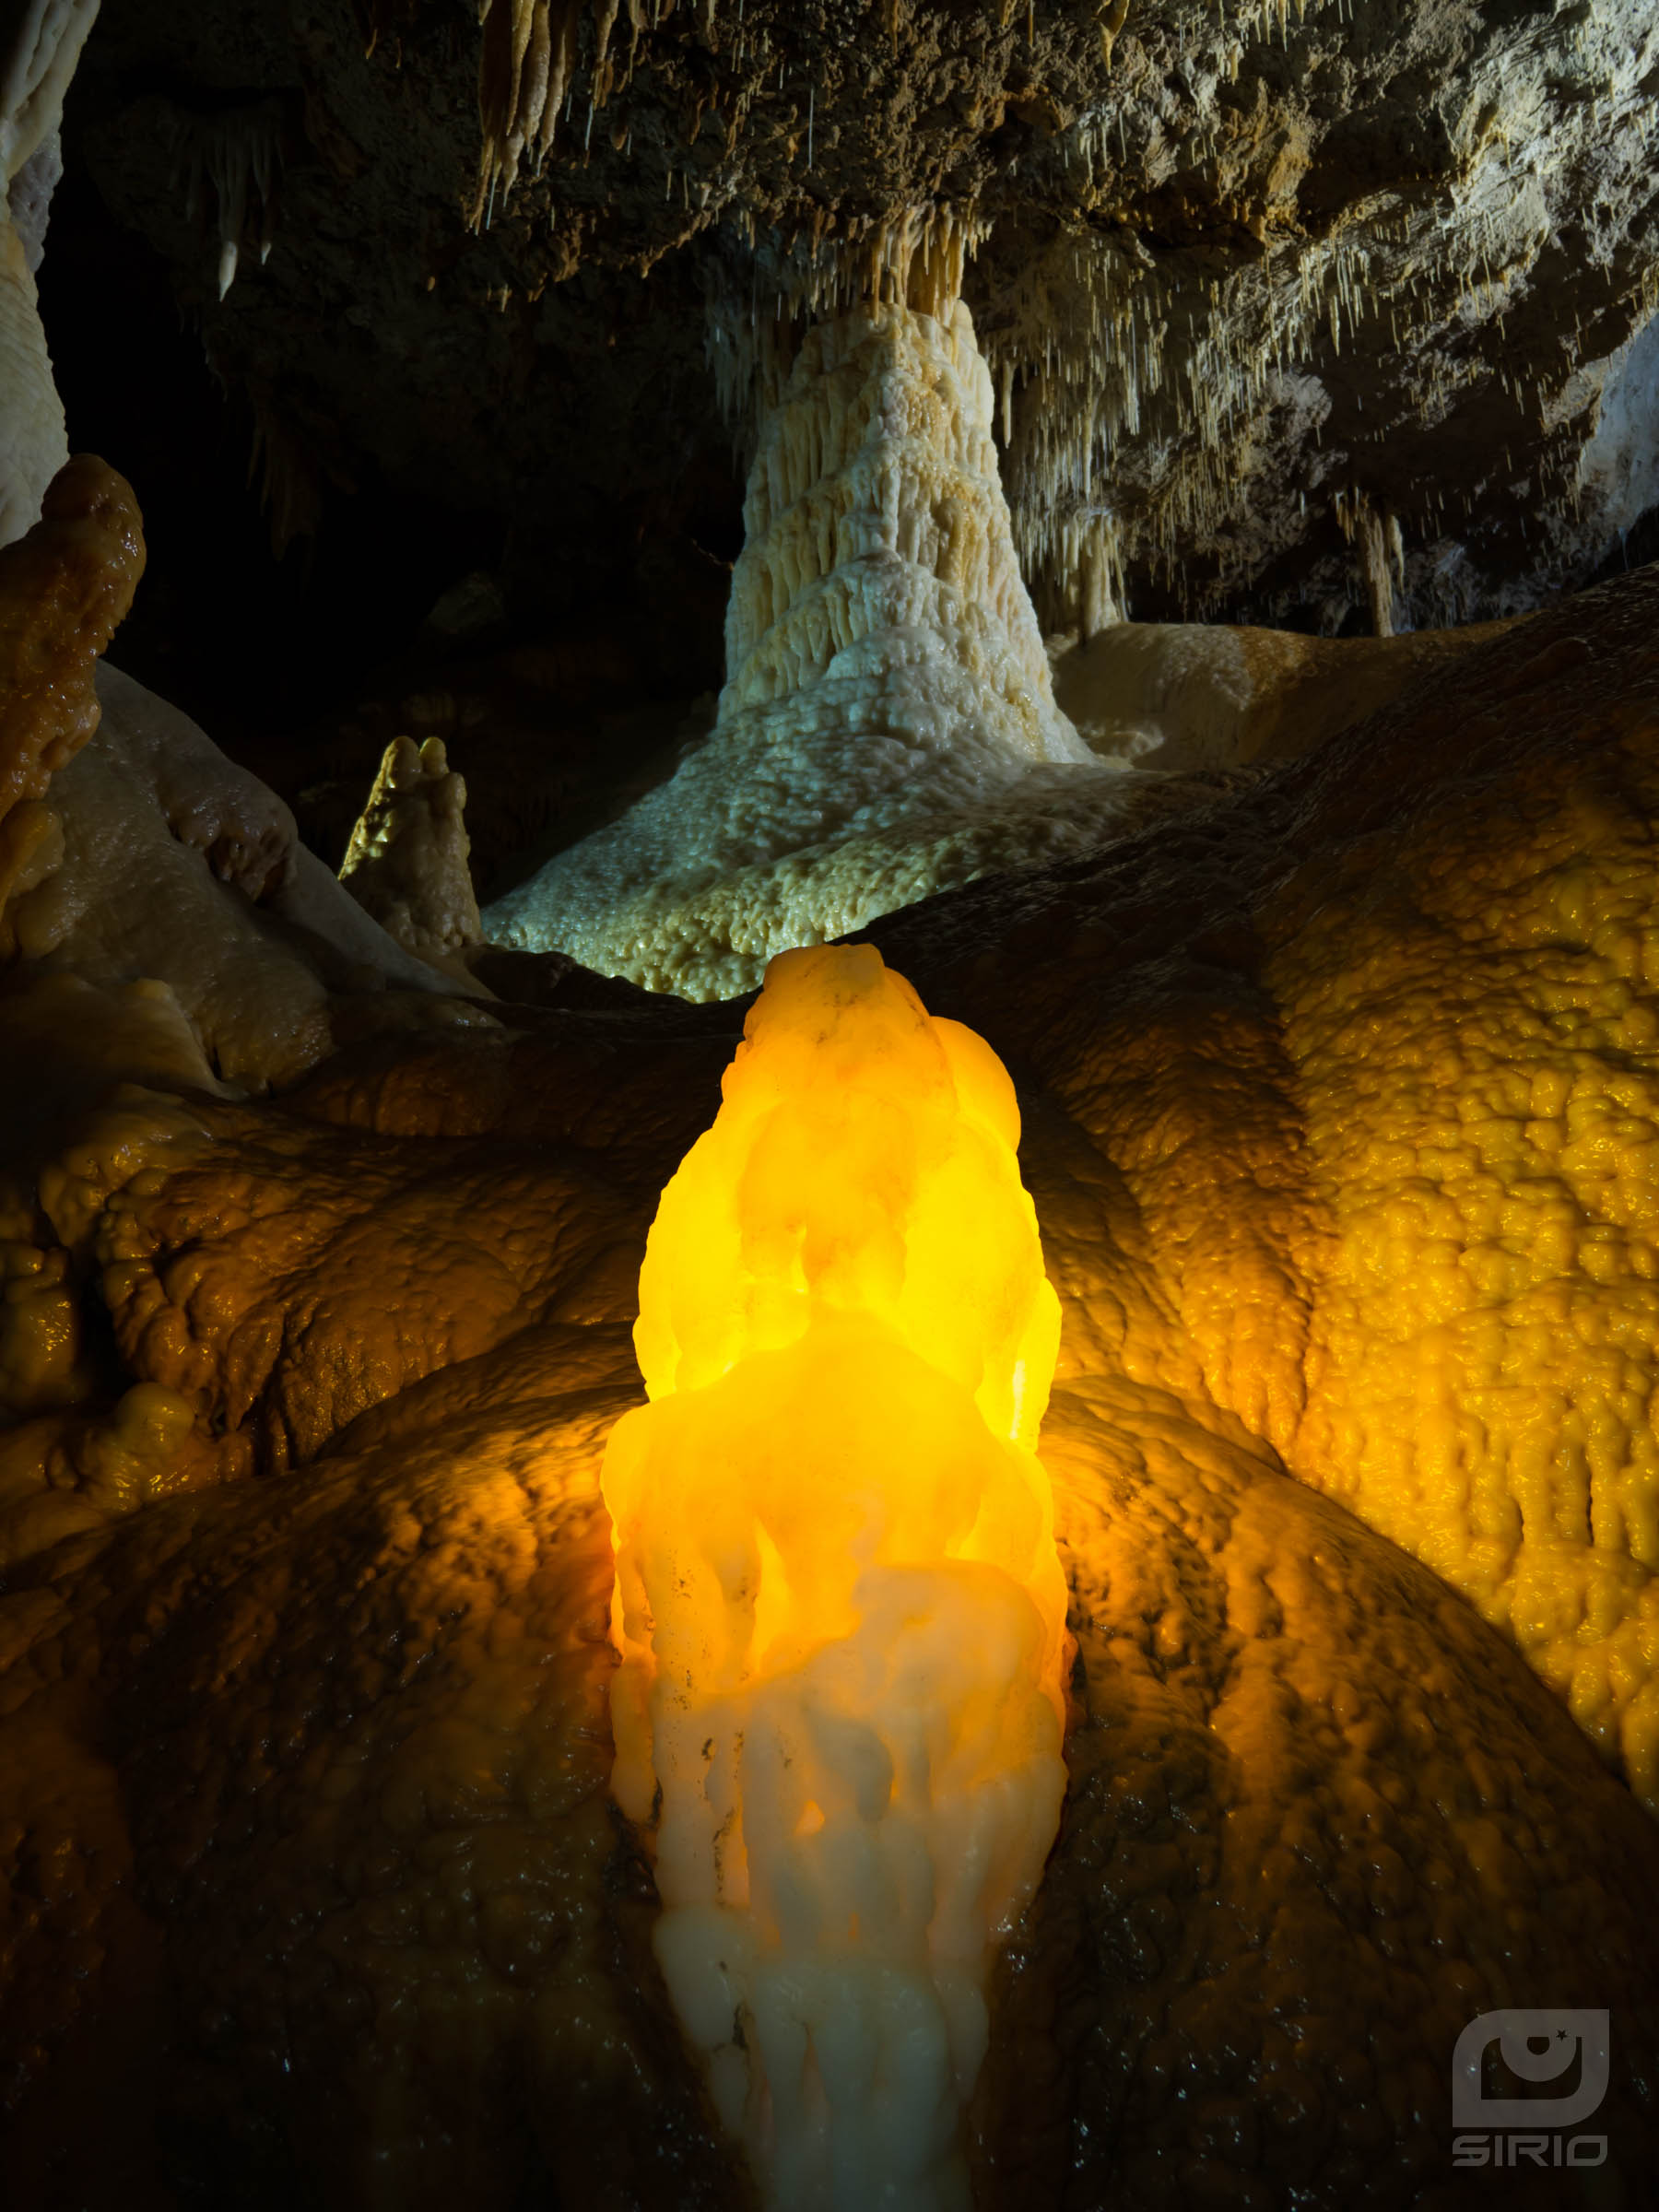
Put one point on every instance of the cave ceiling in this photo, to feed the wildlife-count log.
(1243, 274)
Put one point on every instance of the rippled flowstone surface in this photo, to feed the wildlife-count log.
(1337, 1098)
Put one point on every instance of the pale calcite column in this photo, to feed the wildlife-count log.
(887, 724)
(878, 573)
(838, 1604)
(39, 44)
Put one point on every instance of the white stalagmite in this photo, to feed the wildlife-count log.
(887, 726)
(1381, 554)
(41, 42)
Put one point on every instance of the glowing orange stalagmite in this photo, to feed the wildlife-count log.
(838, 1602)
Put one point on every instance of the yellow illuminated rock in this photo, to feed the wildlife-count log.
(1477, 1032)
(1390, 1132)
(1333, 1108)
(839, 1605)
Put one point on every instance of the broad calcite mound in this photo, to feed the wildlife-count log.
(887, 726)
(310, 1883)
(838, 1604)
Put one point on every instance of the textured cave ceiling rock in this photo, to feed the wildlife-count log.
(1260, 259)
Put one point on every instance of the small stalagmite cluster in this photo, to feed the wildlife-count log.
(406, 862)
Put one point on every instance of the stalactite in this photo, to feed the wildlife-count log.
(1112, 15)
(285, 469)
(237, 156)
(1382, 545)
(525, 66)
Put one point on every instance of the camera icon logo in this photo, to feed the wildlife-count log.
(1538, 2045)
